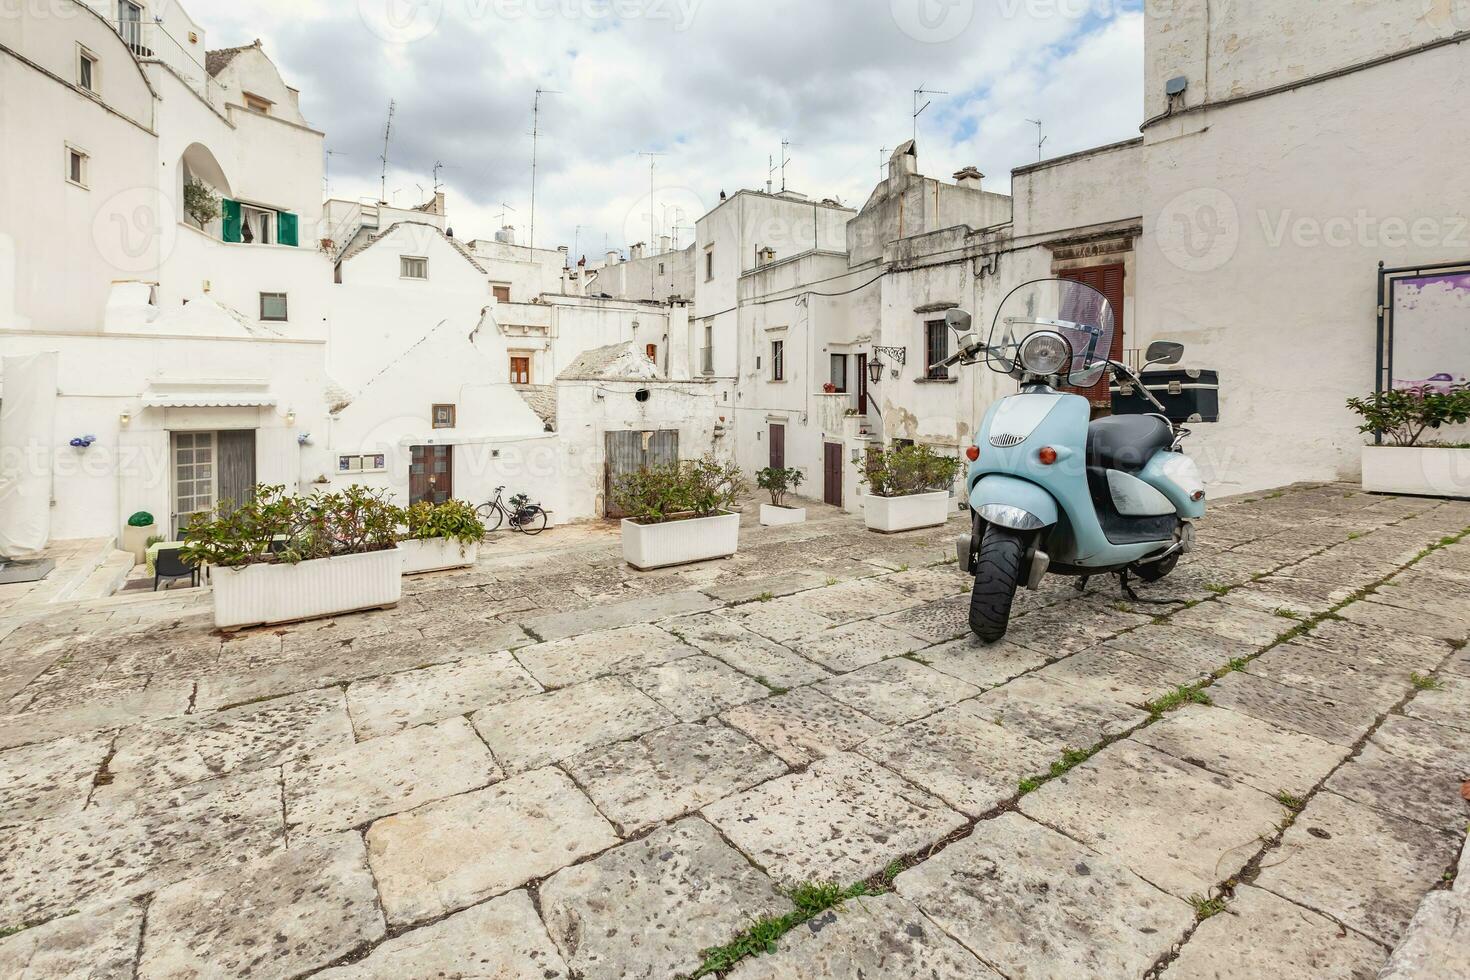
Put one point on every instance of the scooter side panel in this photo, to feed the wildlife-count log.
(1008, 491)
(1177, 478)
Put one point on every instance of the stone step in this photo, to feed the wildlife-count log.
(105, 579)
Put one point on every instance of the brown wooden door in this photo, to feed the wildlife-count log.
(520, 370)
(862, 384)
(1108, 280)
(778, 447)
(832, 473)
(431, 474)
(628, 451)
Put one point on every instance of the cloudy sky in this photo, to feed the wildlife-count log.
(712, 85)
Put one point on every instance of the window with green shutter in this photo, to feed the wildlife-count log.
(230, 215)
(286, 233)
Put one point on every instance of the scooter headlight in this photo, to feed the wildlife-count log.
(1045, 353)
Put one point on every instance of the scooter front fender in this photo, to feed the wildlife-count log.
(1013, 503)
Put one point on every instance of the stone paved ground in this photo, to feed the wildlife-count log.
(552, 766)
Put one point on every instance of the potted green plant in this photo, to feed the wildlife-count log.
(908, 487)
(680, 513)
(279, 558)
(139, 529)
(779, 482)
(1409, 463)
(201, 203)
(439, 537)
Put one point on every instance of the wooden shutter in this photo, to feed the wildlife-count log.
(230, 214)
(286, 229)
(1108, 280)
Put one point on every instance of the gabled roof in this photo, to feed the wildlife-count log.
(372, 240)
(215, 61)
(615, 362)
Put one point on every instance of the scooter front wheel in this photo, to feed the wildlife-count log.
(997, 576)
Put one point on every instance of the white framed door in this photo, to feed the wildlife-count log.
(195, 477)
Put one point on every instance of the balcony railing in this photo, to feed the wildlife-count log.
(707, 360)
(133, 32)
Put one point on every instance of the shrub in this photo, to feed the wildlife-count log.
(141, 519)
(1405, 414)
(692, 488)
(200, 202)
(779, 482)
(907, 470)
(274, 527)
(453, 519)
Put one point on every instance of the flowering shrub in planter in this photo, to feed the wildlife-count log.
(680, 513)
(779, 482)
(439, 537)
(908, 488)
(1408, 464)
(280, 558)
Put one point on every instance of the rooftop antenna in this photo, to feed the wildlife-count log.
(785, 145)
(387, 134)
(576, 243)
(437, 182)
(504, 208)
(1040, 139)
(535, 137)
(919, 93)
(652, 221)
(882, 163)
(327, 170)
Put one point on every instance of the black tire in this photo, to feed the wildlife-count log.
(490, 517)
(997, 576)
(1158, 570)
(533, 520)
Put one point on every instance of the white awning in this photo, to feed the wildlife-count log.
(208, 394)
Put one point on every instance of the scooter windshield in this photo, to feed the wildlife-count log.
(1080, 314)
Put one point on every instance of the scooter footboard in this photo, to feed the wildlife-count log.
(1013, 503)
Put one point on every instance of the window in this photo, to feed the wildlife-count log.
(87, 69)
(256, 104)
(839, 371)
(520, 369)
(660, 268)
(936, 349)
(413, 267)
(502, 293)
(709, 263)
(273, 307)
(778, 360)
(652, 351)
(130, 26)
(76, 166)
(444, 416)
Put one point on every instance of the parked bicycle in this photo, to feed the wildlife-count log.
(519, 512)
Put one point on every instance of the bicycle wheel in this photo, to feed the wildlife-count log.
(490, 516)
(533, 520)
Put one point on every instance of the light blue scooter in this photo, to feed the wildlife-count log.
(1051, 491)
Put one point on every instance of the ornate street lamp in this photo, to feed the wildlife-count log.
(875, 369)
(876, 365)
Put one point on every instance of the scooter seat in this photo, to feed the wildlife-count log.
(1127, 442)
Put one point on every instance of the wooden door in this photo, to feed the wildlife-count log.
(1108, 280)
(520, 370)
(628, 451)
(431, 474)
(237, 466)
(832, 473)
(196, 478)
(778, 446)
(862, 384)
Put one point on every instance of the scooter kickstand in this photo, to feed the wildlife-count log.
(1081, 584)
(1127, 589)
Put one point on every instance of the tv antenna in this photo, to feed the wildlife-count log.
(652, 221)
(882, 163)
(1040, 139)
(785, 145)
(919, 93)
(535, 137)
(327, 169)
(437, 182)
(772, 166)
(504, 208)
(387, 134)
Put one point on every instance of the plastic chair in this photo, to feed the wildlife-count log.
(169, 565)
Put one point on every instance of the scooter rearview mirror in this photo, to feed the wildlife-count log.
(958, 321)
(1164, 352)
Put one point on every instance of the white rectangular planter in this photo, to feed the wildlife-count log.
(772, 516)
(891, 514)
(648, 546)
(1425, 471)
(260, 595)
(437, 555)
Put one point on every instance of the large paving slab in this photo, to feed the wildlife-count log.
(101, 945)
(1448, 704)
(781, 620)
(697, 687)
(384, 705)
(842, 820)
(1057, 713)
(1399, 784)
(1364, 868)
(536, 731)
(50, 778)
(1034, 903)
(1171, 823)
(1437, 941)
(307, 906)
(984, 665)
(897, 691)
(451, 854)
(501, 938)
(645, 910)
(331, 791)
(573, 659)
(855, 645)
(803, 725)
(557, 625)
(671, 772)
(1342, 721)
(1265, 936)
(751, 654)
(880, 937)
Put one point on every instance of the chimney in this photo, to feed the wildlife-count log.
(665, 244)
(439, 207)
(765, 256)
(904, 161)
(970, 179)
(506, 235)
(613, 258)
(635, 251)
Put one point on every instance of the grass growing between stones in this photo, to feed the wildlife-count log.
(1423, 683)
(1206, 908)
(1176, 699)
(1071, 759)
(764, 934)
(1292, 803)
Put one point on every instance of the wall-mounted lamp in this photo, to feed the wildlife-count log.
(125, 419)
(290, 418)
(876, 366)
